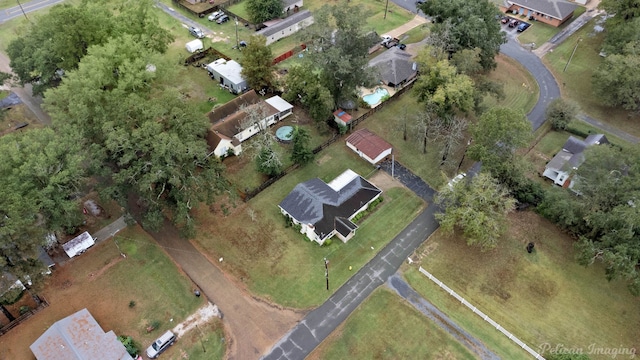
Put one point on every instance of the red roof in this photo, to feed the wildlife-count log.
(368, 143)
(342, 115)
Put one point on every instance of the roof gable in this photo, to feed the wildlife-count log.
(285, 23)
(394, 66)
(231, 107)
(232, 124)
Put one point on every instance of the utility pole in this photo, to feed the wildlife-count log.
(571, 57)
(326, 271)
(23, 13)
(386, 7)
(237, 43)
(201, 341)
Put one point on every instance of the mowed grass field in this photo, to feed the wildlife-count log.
(105, 283)
(385, 326)
(576, 84)
(542, 298)
(520, 88)
(277, 262)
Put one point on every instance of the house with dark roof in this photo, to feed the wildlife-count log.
(323, 210)
(242, 118)
(369, 146)
(552, 12)
(394, 67)
(78, 337)
(287, 26)
(560, 168)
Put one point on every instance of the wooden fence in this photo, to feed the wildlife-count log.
(202, 54)
(43, 303)
(482, 315)
(289, 53)
(252, 193)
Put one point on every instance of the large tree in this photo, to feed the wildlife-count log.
(41, 172)
(301, 152)
(560, 112)
(257, 63)
(617, 82)
(496, 136)
(304, 87)
(263, 10)
(478, 208)
(469, 25)
(56, 42)
(141, 134)
(338, 45)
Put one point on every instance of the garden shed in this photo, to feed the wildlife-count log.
(194, 45)
(79, 244)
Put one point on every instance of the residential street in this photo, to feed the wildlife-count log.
(27, 7)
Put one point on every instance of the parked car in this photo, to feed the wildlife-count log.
(456, 180)
(161, 344)
(504, 20)
(402, 46)
(222, 19)
(196, 32)
(513, 23)
(215, 15)
(524, 26)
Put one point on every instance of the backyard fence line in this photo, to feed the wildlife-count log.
(482, 315)
(22, 318)
(248, 195)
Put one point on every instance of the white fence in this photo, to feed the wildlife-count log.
(482, 315)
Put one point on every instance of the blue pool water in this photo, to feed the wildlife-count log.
(374, 98)
(285, 133)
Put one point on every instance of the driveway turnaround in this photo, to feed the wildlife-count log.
(397, 284)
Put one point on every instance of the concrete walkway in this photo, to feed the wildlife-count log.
(401, 30)
(404, 290)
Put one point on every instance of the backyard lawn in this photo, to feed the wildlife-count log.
(106, 283)
(520, 88)
(542, 298)
(387, 327)
(575, 82)
(279, 263)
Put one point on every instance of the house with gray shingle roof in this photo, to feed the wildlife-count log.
(287, 26)
(78, 336)
(571, 156)
(552, 12)
(394, 67)
(323, 210)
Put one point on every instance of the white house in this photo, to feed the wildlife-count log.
(369, 146)
(323, 210)
(229, 74)
(571, 156)
(242, 118)
(287, 26)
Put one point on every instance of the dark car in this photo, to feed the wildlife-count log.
(504, 20)
(402, 46)
(196, 32)
(513, 23)
(222, 19)
(522, 27)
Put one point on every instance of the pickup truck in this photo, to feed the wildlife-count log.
(389, 42)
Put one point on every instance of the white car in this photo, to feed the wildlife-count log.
(161, 344)
(214, 15)
(456, 180)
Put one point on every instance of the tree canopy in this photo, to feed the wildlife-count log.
(478, 208)
(560, 112)
(263, 10)
(257, 63)
(338, 45)
(304, 87)
(140, 133)
(57, 41)
(469, 25)
(616, 81)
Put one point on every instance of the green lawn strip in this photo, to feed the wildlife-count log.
(387, 327)
(539, 32)
(462, 316)
(150, 278)
(552, 142)
(575, 82)
(240, 10)
(416, 34)
(204, 343)
(543, 297)
(520, 88)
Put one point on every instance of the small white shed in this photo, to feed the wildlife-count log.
(194, 45)
(79, 244)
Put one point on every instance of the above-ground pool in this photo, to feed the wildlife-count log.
(285, 133)
(376, 96)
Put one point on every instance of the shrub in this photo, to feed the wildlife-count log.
(327, 242)
(363, 104)
(12, 296)
(132, 304)
(24, 309)
(129, 344)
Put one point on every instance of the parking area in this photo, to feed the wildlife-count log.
(510, 23)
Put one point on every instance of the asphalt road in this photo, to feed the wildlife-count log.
(16, 11)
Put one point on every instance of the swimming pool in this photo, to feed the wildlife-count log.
(376, 96)
(285, 133)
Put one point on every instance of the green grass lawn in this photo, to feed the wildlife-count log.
(204, 343)
(539, 32)
(387, 327)
(520, 88)
(575, 82)
(277, 262)
(416, 34)
(543, 297)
